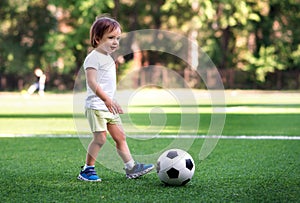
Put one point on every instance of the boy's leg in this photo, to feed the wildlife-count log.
(137, 169)
(88, 172)
(94, 147)
(117, 133)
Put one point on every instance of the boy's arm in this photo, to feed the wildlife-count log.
(91, 75)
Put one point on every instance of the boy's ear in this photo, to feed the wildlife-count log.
(97, 40)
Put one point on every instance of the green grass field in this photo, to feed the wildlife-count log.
(43, 169)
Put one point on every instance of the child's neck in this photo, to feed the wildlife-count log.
(98, 49)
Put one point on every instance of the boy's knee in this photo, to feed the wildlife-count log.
(99, 139)
(99, 142)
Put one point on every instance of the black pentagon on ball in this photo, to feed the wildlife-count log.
(185, 182)
(189, 164)
(172, 154)
(173, 173)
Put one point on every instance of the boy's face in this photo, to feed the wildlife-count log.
(110, 42)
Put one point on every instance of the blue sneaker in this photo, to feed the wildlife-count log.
(138, 170)
(89, 174)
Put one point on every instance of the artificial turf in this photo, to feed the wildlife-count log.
(45, 170)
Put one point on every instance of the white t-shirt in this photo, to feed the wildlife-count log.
(106, 78)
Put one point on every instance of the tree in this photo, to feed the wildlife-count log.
(253, 36)
(275, 39)
(24, 29)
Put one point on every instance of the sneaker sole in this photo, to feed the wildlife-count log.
(136, 175)
(80, 177)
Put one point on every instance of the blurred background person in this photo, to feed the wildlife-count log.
(39, 84)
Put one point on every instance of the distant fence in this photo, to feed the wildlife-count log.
(160, 77)
(231, 78)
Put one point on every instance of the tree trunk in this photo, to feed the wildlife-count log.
(224, 47)
(115, 10)
(279, 80)
(297, 80)
(3, 84)
(20, 84)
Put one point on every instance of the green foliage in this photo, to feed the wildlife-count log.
(53, 34)
(24, 35)
(266, 62)
(296, 57)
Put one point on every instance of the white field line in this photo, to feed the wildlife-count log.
(238, 137)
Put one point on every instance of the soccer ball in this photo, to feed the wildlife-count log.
(175, 167)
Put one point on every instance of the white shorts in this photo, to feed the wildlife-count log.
(98, 120)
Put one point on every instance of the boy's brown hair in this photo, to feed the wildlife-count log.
(101, 26)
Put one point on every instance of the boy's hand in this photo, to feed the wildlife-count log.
(118, 108)
(113, 106)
